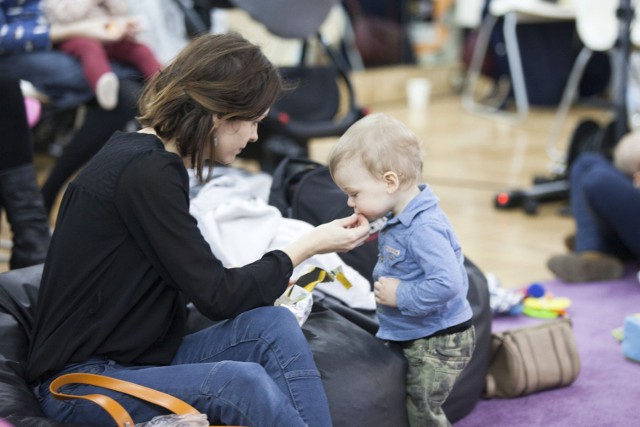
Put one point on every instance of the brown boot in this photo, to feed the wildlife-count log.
(21, 199)
(570, 242)
(586, 267)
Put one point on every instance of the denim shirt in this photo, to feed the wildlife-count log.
(419, 248)
(23, 27)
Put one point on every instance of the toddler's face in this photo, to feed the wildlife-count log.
(367, 194)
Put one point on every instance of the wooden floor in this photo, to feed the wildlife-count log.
(469, 159)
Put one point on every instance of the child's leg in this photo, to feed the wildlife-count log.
(137, 54)
(91, 55)
(97, 70)
(431, 375)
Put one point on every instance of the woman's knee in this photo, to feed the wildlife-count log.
(243, 393)
(281, 323)
(272, 318)
(283, 316)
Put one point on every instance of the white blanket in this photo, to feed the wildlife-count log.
(240, 226)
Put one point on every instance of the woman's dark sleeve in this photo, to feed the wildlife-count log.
(152, 197)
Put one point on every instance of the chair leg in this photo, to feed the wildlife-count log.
(477, 58)
(568, 97)
(515, 66)
(515, 71)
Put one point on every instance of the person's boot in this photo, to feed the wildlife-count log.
(570, 242)
(21, 198)
(586, 267)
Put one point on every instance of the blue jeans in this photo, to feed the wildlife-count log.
(56, 74)
(254, 370)
(606, 208)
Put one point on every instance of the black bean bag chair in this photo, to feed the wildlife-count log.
(468, 388)
(465, 393)
(18, 293)
(364, 378)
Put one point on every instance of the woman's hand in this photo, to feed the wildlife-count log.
(340, 235)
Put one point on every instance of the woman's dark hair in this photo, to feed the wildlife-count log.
(221, 75)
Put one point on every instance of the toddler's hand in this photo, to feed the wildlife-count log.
(385, 291)
(107, 29)
(134, 26)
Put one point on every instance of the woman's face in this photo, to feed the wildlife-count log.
(233, 136)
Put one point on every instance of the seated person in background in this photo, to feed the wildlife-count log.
(605, 203)
(20, 195)
(126, 257)
(420, 280)
(25, 53)
(93, 53)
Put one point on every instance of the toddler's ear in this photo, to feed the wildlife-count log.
(391, 180)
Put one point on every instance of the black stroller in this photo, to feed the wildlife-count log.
(322, 102)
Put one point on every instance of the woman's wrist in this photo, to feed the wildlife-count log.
(301, 249)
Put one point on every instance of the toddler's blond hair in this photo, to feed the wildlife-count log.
(382, 143)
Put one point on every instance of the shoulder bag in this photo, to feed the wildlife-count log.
(531, 359)
(116, 410)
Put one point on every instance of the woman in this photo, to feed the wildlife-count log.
(126, 257)
(25, 53)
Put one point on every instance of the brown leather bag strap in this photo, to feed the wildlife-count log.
(117, 412)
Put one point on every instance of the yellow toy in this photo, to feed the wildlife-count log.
(545, 307)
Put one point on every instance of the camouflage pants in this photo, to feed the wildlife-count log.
(433, 365)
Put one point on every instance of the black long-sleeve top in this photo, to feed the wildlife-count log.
(125, 258)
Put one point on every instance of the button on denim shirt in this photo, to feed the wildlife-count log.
(419, 248)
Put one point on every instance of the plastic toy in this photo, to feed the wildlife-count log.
(316, 275)
(631, 337)
(536, 290)
(541, 304)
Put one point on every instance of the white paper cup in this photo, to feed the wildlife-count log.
(418, 93)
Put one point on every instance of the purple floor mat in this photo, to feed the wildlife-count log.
(607, 391)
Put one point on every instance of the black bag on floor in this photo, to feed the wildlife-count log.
(590, 136)
(303, 189)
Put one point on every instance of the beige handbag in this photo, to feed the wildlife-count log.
(531, 359)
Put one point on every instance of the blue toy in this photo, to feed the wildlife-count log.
(631, 337)
(536, 290)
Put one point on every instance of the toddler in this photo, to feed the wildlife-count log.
(117, 42)
(420, 282)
